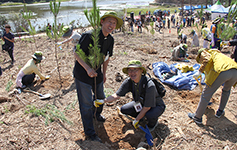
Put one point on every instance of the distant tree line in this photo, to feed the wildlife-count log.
(24, 1)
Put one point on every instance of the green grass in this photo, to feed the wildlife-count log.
(49, 112)
(6, 109)
(9, 84)
(10, 4)
(72, 105)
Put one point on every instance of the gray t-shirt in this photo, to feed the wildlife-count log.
(76, 37)
(152, 98)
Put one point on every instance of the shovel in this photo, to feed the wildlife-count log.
(148, 135)
(42, 97)
(199, 83)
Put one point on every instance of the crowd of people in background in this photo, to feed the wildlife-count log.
(163, 19)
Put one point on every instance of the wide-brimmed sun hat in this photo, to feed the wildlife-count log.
(199, 53)
(114, 15)
(134, 64)
(185, 46)
(38, 55)
(67, 30)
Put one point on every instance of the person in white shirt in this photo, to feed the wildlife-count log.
(73, 36)
(206, 35)
(195, 41)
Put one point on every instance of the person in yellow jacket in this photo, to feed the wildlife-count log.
(218, 69)
(27, 74)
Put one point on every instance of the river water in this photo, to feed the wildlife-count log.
(69, 11)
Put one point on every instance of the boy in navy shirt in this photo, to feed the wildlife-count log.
(8, 37)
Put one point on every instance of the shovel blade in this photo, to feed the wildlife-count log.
(148, 135)
(45, 96)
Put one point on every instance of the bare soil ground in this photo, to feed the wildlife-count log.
(19, 130)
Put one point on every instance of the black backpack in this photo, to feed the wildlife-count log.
(159, 87)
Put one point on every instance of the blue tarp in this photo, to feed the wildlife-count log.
(187, 8)
(181, 81)
(200, 6)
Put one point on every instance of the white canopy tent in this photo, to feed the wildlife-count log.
(217, 10)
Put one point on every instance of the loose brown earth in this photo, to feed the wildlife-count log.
(19, 130)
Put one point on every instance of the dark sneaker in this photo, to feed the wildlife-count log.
(153, 128)
(197, 120)
(100, 118)
(219, 113)
(93, 138)
(12, 62)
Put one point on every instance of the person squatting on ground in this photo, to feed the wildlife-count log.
(195, 41)
(147, 105)
(84, 74)
(219, 69)
(8, 38)
(231, 43)
(26, 75)
(71, 35)
(215, 42)
(179, 53)
(206, 35)
(183, 38)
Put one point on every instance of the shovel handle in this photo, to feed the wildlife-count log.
(199, 83)
(28, 90)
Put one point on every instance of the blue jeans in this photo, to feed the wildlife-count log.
(217, 43)
(85, 98)
(151, 115)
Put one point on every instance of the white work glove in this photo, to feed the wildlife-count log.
(47, 77)
(59, 43)
(135, 123)
(197, 74)
(98, 102)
